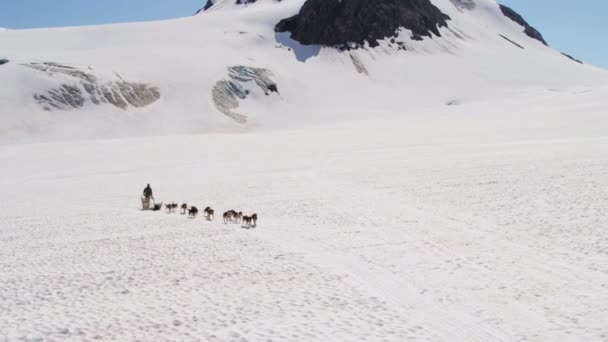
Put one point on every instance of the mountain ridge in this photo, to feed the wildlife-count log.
(216, 71)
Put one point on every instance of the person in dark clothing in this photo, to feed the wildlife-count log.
(148, 192)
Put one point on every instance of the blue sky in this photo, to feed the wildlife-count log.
(51, 13)
(575, 27)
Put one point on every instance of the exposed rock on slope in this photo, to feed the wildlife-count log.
(227, 93)
(464, 4)
(340, 23)
(210, 4)
(572, 58)
(528, 30)
(81, 87)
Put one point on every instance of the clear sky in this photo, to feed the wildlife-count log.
(18, 14)
(576, 27)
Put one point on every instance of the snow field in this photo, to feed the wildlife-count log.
(361, 236)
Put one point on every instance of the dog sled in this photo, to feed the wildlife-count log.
(149, 204)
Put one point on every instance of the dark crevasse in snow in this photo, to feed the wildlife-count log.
(345, 22)
(511, 41)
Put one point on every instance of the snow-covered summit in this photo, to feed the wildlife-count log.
(236, 68)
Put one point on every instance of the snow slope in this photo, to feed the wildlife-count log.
(186, 58)
(459, 225)
(456, 191)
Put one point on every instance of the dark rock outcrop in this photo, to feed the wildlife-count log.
(572, 58)
(345, 22)
(81, 86)
(3, 61)
(210, 4)
(227, 93)
(528, 30)
(464, 4)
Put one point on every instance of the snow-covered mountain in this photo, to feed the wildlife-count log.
(242, 65)
(424, 170)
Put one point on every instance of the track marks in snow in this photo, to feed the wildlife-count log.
(373, 240)
(348, 206)
(459, 254)
(186, 280)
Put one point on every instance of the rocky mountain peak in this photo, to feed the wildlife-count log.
(528, 29)
(343, 22)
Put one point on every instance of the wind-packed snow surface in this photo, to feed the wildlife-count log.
(454, 191)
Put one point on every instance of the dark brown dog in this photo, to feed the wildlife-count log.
(247, 221)
(229, 216)
(209, 213)
(171, 207)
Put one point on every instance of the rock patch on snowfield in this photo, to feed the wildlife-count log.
(572, 58)
(227, 93)
(211, 3)
(81, 87)
(347, 22)
(528, 30)
(3, 61)
(464, 4)
(207, 6)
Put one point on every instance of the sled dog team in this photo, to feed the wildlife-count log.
(231, 216)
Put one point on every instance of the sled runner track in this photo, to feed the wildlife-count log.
(407, 210)
(398, 292)
(348, 207)
(380, 281)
